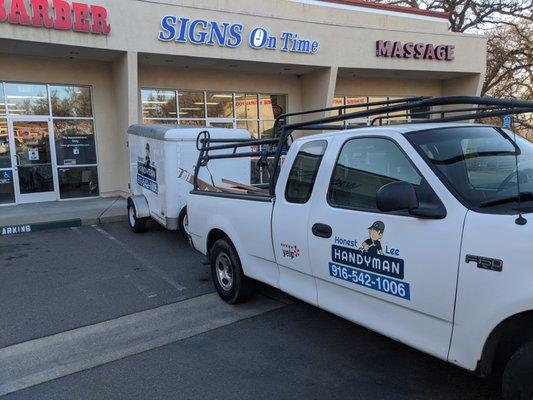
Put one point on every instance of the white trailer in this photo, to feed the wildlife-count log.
(162, 160)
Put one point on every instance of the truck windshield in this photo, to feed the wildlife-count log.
(479, 164)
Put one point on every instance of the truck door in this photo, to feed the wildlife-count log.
(391, 272)
(290, 220)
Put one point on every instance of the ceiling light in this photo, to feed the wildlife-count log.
(223, 96)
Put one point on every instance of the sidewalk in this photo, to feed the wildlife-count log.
(23, 218)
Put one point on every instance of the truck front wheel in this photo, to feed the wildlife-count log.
(517, 382)
(137, 225)
(226, 270)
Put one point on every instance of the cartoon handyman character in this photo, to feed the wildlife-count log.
(373, 244)
(147, 153)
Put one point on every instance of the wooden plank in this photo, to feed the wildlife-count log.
(243, 186)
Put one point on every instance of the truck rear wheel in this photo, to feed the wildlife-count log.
(137, 225)
(226, 270)
(517, 382)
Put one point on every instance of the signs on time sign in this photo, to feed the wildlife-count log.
(232, 35)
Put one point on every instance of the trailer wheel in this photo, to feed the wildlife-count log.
(226, 270)
(183, 223)
(137, 225)
(517, 383)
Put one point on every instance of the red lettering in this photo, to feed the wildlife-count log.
(63, 20)
(383, 49)
(397, 50)
(409, 50)
(18, 14)
(419, 50)
(450, 52)
(39, 10)
(440, 52)
(430, 52)
(100, 24)
(81, 17)
(3, 14)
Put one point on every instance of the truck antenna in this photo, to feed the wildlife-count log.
(520, 220)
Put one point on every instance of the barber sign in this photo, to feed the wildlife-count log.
(56, 14)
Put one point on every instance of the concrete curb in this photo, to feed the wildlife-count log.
(18, 229)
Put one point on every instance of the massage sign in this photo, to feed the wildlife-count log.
(421, 51)
(56, 14)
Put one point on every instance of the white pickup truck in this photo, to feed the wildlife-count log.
(415, 231)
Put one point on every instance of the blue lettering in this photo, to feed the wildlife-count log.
(286, 37)
(182, 34)
(197, 36)
(272, 43)
(314, 47)
(235, 35)
(218, 34)
(258, 38)
(168, 31)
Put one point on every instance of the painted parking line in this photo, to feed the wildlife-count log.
(144, 262)
(41, 360)
(9, 230)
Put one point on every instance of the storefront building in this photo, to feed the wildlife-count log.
(74, 75)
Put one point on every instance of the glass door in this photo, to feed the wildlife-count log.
(33, 159)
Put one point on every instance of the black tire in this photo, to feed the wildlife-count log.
(137, 225)
(517, 381)
(182, 222)
(225, 263)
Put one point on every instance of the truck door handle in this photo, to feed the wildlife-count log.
(322, 230)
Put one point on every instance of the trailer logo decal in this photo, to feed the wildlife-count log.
(290, 251)
(368, 266)
(147, 172)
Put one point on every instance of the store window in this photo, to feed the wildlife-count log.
(27, 99)
(75, 143)
(26, 109)
(255, 112)
(159, 104)
(397, 117)
(71, 101)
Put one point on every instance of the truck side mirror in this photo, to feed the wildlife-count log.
(397, 196)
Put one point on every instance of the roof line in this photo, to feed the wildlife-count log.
(391, 7)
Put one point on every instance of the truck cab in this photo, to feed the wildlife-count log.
(415, 231)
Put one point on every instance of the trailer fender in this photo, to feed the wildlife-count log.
(141, 206)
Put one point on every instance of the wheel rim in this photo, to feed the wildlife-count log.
(131, 216)
(224, 269)
(186, 224)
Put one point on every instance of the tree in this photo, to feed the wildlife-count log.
(468, 15)
(508, 25)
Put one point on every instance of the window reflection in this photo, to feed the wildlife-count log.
(2, 100)
(78, 182)
(74, 141)
(5, 153)
(71, 101)
(271, 106)
(27, 99)
(159, 103)
(194, 122)
(7, 192)
(161, 121)
(219, 105)
(246, 106)
(192, 104)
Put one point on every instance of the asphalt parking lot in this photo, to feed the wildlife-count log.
(80, 286)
